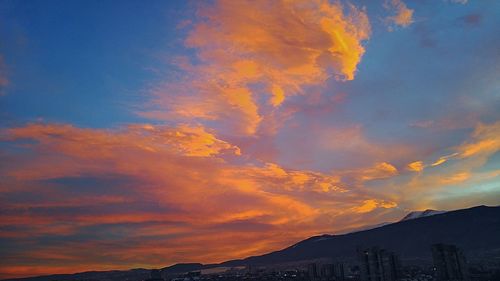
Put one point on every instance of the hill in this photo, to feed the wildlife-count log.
(474, 230)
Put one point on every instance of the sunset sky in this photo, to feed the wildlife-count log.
(148, 133)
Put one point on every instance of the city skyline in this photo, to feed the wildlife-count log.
(144, 134)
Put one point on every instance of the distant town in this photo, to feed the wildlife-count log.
(372, 264)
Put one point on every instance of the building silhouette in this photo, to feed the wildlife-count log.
(312, 271)
(378, 265)
(325, 272)
(449, 263)
(332, 272)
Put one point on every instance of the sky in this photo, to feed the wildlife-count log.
(144, 134)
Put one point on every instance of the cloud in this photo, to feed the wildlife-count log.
(455, 178)
(370, 205)
(160, 193)
(419, 166)
(353, 144)
(443, 159)
(403, 16)
(466, 170)
(183, 139)
(485, 141)
(416, 166)
(378, 171)
(292, 46)
(217, 178)
(163, 192)
(299, 180)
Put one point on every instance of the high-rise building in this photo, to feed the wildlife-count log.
(449, 263)
(332, 272)
(312, 271)
(338, 272)
(378, 265)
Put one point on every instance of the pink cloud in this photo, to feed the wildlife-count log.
(292, 46)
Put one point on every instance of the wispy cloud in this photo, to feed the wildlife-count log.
(402, 15)
(170, 182)
(264, 134)
(253, 50)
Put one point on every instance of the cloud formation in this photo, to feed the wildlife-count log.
(463, 171)
(485, 141)
(256, 140)
(163, 186)
(483, 144)
(248, 51)
(402, 15)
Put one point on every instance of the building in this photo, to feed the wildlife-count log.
(449, 263)
(338, 272)
(378, 265)
(312, 271)
(332, 272)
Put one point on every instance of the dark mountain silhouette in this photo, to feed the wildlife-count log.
(185, 267)
(133, 274)
(409, 216)
(475, 230)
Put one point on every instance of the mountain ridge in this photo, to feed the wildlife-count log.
(410, 215)
(420, 214)
(437, 234)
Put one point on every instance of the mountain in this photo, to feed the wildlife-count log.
(409, 216)
(184, 267)
(421, 214)
(111, 275)
(474, 230)
(362, 228)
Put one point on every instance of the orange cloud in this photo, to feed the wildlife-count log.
(455, 178)
(443, 159)
(300, 180)
(292, 45)
(141, 182)
(278, 96)
(371, 204)
(419, 166)
(187, 184)
(416, 166)
(463, 175)
(403, 16)
(485, 141)
(185, 140)
(380, 170)
(439, 161)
